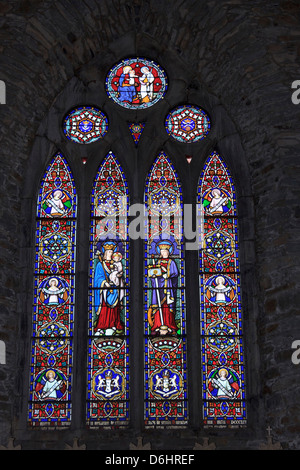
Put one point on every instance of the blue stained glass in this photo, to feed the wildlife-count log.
(108, 328)
(165, 325)
(136, 83)
(187, 123)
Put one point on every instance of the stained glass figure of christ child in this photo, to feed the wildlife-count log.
(164, 281)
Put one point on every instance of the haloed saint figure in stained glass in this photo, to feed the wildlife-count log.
(109, 289)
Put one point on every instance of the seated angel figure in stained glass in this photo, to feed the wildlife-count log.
(164, 281)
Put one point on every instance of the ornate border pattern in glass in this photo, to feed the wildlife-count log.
(164, 299)
(187, 123)
(221, 311)
(53, 304)
(85, 125)
(108, 348)
(136, 83)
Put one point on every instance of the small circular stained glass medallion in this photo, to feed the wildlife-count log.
(136, 83)
(85, 125)
(187, 123)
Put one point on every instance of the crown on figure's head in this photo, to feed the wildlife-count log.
(164, 245)
(108, 373)
(166, 374)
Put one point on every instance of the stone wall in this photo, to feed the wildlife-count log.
(240, 58)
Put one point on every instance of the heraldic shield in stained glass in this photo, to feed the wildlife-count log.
(108, 348)
(187, 124)
(85, 125)
(220, 293)
(165, 345)
(136, 83)
(53, 304)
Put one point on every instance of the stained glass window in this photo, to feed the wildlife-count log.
(223, 372)
(53, 303)
(136, 130)
(85, 125)
(136, 83)
(187, 123)
(108, 348)
(165, 322)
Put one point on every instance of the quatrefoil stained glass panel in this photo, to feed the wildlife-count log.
(187, 124)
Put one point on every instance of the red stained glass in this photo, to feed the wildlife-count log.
(108, 347)
(223, 375)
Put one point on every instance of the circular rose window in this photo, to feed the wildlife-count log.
(85, 125)
(136, 83)
(187, 123)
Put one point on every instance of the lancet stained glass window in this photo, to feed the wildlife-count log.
(165, 322)
(108, 349)
(85, 125)
(53, 303)
(223, 376)
(187, 123)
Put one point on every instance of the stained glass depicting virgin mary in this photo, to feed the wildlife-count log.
(217, 201)
(164, 281)
(108, 289)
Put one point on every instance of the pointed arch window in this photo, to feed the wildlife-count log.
(53, 303)
(223, 377)
(164, 288)
(108, 329)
